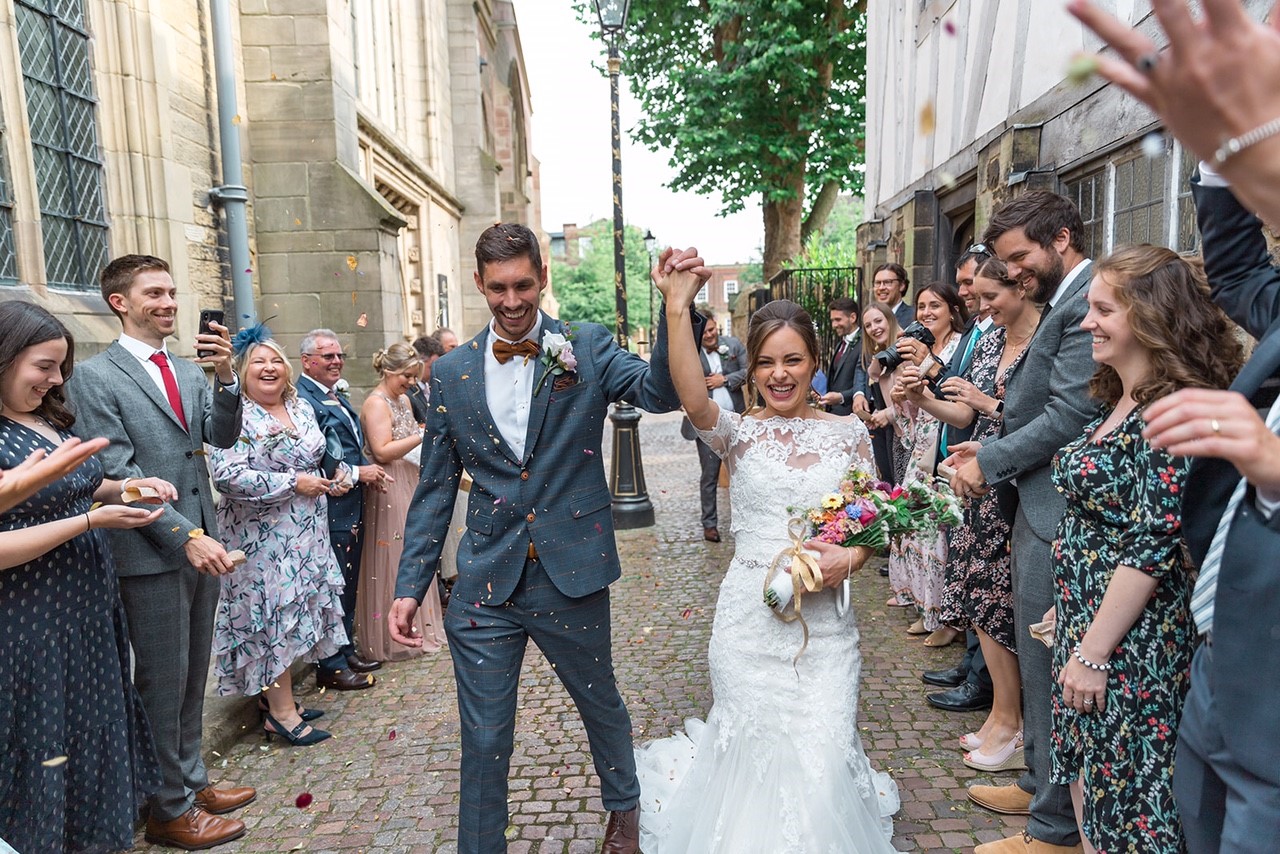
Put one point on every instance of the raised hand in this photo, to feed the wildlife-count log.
(679, 275)
(43, 468)
(219, 341)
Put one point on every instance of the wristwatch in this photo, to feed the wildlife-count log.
(997, 410)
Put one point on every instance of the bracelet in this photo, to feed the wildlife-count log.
(1104, 668)
(88, 522)
(1237, 144)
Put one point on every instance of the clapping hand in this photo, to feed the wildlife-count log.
(679, 275)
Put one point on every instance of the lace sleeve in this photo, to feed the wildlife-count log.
(720, 437)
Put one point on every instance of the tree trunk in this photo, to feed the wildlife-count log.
(782, 221)
(823, 204)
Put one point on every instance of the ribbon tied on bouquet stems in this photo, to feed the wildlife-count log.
(806, 576)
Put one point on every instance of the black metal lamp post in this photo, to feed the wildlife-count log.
(631, 505)
(650, 243)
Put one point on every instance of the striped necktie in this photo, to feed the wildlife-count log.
(1207, 584)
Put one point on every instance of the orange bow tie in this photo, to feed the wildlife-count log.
(504, 352)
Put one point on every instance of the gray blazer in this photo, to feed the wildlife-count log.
(556, 496)
(733, 365)
(113, 396)
(1046, 405)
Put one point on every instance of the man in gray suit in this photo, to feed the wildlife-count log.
(522, 406)
(724, 364)
(158, 413)
(1047, 403)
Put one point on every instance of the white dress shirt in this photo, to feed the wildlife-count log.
(508, 389)
(1068, 280)
(721, 395)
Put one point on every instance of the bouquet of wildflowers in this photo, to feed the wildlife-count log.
(862, 512)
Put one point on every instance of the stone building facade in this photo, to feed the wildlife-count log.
(969, 103)
(378, 140)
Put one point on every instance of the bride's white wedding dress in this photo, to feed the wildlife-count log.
(778, 765)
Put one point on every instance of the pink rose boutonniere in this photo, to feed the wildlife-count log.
(557, 356)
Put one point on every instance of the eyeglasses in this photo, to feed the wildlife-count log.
(892, 281)
(979, 249)
(328, 357)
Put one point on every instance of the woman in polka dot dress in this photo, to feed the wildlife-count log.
(76, 760)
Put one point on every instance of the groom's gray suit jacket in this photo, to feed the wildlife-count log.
(555, 497)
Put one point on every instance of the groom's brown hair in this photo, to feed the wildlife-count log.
(504, 241)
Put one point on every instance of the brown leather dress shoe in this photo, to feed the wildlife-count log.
(711, 535)
(360, 664)
(194, 830)
(222, 801)
(344, 680)
(1006, 800)
(622, 835)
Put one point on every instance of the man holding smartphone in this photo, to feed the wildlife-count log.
(158, 412)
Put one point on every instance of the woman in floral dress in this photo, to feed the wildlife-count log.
(1124, 635)
(979, 586)
(917, 562)
(282, 604)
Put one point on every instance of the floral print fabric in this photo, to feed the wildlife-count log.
(1124, 507)
(282, 604)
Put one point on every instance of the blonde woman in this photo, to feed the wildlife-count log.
(394, 442)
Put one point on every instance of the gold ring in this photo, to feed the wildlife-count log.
(1215, 426)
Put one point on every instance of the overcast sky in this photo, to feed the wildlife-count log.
(570, 136)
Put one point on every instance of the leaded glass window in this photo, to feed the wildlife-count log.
(1089, 192)
(1141, 189)
(57, 77)
(8, 259)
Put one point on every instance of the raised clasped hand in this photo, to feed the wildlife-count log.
(218, 340)
(679, 275)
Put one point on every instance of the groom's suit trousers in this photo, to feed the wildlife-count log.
(488, 646)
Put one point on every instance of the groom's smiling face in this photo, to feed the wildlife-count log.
(512, 288)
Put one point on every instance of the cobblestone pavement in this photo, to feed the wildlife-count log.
(388, 779)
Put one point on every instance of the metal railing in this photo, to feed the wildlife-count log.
(813, 288)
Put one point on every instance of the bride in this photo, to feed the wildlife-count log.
(778, 765)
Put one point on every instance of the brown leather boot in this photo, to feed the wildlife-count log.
(194, 830)
(622, 835)
(222, 801)
(1007, 800)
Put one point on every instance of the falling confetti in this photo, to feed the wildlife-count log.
(303, 800)
(391, 736)
(54, 761)
(949, 27)
(195, 533)
(353, 296)
(352, 263)
(927, 119)
(684, 615)
(1153, 145)
(363, 320)
(1081, 68)
(235, 120)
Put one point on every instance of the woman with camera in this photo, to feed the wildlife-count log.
(916, 564)
(880, 329)
(978, 588)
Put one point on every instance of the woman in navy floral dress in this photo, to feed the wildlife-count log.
(1124, 637)
(283, 604)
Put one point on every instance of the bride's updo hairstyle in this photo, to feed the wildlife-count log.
(779, 314)
(395, 359)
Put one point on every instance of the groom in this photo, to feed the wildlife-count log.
(538, 554)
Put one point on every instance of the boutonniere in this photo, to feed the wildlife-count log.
(724, 350)
(557, 356)
(343, 388)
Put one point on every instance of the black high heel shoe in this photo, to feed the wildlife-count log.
(305, 714)
(298, 736)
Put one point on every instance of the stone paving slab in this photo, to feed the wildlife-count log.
(388, 779)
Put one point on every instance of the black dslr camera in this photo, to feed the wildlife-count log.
(889, 358)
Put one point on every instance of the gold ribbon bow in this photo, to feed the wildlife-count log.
(805, 576)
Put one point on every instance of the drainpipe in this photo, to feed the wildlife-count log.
(232, 194)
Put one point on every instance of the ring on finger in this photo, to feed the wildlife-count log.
(1215, 426)
(1088, 701)
(1147, 62)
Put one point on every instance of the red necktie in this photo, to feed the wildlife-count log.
(170, 386)
(839, 351)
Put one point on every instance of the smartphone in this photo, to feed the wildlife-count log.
(207, 316)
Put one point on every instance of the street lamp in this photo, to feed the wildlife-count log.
(650, 242)
(631, 505)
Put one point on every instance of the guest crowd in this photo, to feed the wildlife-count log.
(1112, 579)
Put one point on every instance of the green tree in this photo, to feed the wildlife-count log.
(836, 245)
(585, 289)
(755, 99)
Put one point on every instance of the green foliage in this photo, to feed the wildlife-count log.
(585, 290)
(836, 245)
(746, 92)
